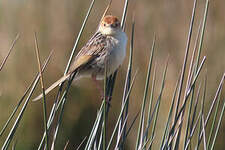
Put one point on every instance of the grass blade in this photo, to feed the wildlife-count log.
(19, 117)
(78, 36)
(141, 122)
(61, 111)
(68, 65)
(81, 143)
(120, 136)
(169, 116)
(191, 69)
(183, 71)
(160, 96)
(9, 52)
(126, 87)
(17, 107)
(218, 125)
(121, 112)
(211, 107)
(43, 90)
(148, 141)
(192, 132)
(186, 99)
(123, 20)
(94, 129)
(214, 100)
(151, 99)
(67, 143)
(214, 121)
(21, 100)
(200, 123)
(53, 109)
(194, 113)
(202, 31)
(203, 129)
(135, 118)
(102, 139)
(170, 140)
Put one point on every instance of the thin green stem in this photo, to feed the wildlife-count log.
(9, 52)
(43, 91)
(141, 122)
(19, 117)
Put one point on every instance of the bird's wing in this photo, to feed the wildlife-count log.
(90, 51)
(94, 47)
(81, 61)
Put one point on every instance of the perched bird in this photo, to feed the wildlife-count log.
(106, 46)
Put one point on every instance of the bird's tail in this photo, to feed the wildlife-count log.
(54, 85)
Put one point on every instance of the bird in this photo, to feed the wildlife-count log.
(106, 49)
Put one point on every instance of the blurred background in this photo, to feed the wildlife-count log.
(57, 24)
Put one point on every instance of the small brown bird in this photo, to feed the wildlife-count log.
(106, 46)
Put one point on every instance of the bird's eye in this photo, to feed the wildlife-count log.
(104, 24)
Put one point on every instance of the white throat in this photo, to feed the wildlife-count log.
(109, 31)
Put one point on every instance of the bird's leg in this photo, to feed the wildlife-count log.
(98, 85)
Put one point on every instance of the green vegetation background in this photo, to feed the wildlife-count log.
(57, 24)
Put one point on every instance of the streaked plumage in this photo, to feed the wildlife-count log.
(106, 46)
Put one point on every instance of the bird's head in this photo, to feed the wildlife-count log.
(110, 25)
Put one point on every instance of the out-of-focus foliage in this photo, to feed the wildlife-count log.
(57, 24)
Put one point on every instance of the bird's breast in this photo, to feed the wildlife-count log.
(118, 52)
